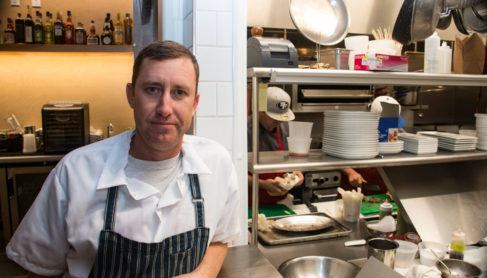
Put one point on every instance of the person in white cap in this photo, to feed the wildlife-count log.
(273, 133)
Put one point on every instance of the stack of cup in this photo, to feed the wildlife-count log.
(352, 201)
(299, 139)
(356, 45)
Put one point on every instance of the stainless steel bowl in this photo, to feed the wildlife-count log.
(458, 268)
(319, 267)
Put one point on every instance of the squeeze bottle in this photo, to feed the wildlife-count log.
(431, 45)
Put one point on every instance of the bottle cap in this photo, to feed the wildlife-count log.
(386, 205)
(459, 233)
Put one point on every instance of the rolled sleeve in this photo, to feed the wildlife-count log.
(39, 244)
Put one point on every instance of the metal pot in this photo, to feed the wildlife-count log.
(458, 268)
(382, 249)
(319, 267)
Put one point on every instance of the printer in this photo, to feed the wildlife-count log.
(271, 53)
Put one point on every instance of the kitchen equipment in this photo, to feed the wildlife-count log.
(302, 223)
(320, 186)
(277, 237)
(351, 204)
(318, 266)
(273, 211)
(458, 268)
(66, 126)
(336, 58)
(324, 22)
(475, 17)
(444, 21)
(405, 254)
(271, 52)
(382, 249)
(382, 228)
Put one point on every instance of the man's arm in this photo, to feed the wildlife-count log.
(212, 261)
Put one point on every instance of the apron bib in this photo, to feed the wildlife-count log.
(118, 256)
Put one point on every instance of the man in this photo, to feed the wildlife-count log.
(273, 133)
(153, 202)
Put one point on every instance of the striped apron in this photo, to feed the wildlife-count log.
(121, 257)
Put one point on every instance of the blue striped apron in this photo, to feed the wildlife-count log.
(121, 257)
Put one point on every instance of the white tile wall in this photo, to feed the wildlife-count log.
(187, 7)
(224, 28)
(225, 99)
(215, 5)
(208, 99)
(215, 63)
(206, 26)
(219, 129)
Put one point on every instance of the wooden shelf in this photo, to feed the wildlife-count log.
(65, 48)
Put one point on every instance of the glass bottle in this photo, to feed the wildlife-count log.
(29, 27)
(92, 37)
(69, 30)
(80, 34)
(457, 245)
(128, 27)
(118, 35)
(38, 29)
(9, 35)
(59, 29)
(20, 29)
(107, 35)
(48, 29)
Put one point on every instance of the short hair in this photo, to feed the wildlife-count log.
(161, 51)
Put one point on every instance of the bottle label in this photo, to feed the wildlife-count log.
(28, 34)
(79, 37)
(92, 40)
(58, 31)
(68, 34)
(9, 38)
(107, 40)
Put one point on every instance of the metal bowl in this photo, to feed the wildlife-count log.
(319, 267)
(458, 268)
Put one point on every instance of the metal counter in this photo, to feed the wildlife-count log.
(246, 261)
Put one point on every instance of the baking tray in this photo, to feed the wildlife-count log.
(276, 237)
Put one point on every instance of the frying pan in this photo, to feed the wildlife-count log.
(444, 21)
(458, 19)
(475, 17)
(324, 22)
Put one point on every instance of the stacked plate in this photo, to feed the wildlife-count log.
(452, 141)
(391, 147)
(351, 134)
(481, 126)
(418, 144)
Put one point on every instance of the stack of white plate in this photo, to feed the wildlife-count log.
(481, 126)
(418, 144)
(351, 134)
(391, 147)
(452, 141)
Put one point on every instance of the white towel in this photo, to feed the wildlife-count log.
(423, 271)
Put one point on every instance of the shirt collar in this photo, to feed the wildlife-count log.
(113, 173)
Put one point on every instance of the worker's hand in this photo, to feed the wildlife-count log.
(355, 179)
(299, 174)
(272, 187)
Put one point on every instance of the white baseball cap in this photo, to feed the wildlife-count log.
(279, 104)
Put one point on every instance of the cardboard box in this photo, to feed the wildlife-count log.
(381, 62)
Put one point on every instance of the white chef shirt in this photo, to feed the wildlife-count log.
(59, 234)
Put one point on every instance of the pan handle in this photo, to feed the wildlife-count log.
(458, 19)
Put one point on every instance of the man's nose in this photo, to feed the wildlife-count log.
(164, 104)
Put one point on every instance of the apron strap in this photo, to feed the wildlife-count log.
(197, 200)
(110, 208)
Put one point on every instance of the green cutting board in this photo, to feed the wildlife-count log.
(273, 210)
(373, 208)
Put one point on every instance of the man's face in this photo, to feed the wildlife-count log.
(267, 122)
(164, 100)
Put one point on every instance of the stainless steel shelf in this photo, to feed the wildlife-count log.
(281, 161)
(22, 158)
(65, 48)
(315, 76)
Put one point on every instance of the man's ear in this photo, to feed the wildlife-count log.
(196, 101)
(129, 91)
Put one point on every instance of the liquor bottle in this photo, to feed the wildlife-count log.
(9, 34)
(107, 35)
(38, 29)
(29, 27)
(19, 28)
(128, 27)
(118, 35)
(80, 34)
(48, 29)
(1, 33)
(59, 29)
(69, 30)
(92, 37)
(112, 27)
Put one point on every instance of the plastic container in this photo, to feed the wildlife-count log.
(405, 254)
(29, 145)
(385, 209)
(298, 146)
(426, 257)
(300, 130)
(457, 245)
(431, 45)
(444, 58)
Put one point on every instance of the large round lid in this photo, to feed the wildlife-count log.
(325, 22)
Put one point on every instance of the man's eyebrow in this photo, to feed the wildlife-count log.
(181, 87)
(154, 83)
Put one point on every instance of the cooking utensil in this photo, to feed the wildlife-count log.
(302, 223)
(458, 19)
(318, 266)
(324, 22)
(382, 249)
(440, 260)
(458, 268)
(475, 17)
(444, 21)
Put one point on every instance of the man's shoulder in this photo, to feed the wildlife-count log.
(204, 146)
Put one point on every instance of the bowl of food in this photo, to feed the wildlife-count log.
(317, 266)
(457, 269)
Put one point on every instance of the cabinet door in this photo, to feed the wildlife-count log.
(26, 182)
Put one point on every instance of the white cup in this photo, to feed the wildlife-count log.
(405, 254)
(426, 257)
(298, 146)
(357, 43)
(29, 143)
(351, 209)
(300, 129)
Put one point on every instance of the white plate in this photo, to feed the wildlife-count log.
(302, 223)
(352, 156)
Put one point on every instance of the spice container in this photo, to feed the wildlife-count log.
(335, 57)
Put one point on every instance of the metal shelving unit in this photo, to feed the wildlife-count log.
(266, 162)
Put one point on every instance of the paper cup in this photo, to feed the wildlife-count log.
(357, 43)
(405, 254)
(300, 130)
(298, 146)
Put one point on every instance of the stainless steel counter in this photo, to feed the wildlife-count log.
(24, 158)
(247, 261)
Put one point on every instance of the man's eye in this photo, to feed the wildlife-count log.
(179, 93)
(152, 90)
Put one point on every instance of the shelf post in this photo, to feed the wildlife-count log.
(255, 160)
